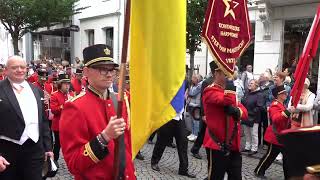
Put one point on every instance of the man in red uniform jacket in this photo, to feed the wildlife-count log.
(42, 81)
(88, 123)
(57, 102)
(77, 82)
(220, 106)
(280, 120)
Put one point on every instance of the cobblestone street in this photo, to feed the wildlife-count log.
(169, 166)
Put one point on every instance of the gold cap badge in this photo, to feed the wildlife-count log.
(107, 51)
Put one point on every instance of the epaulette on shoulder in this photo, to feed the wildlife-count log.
(77, 97)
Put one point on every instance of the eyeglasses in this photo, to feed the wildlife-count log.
(104, 71)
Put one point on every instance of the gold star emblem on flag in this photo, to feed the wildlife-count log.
(229, 10)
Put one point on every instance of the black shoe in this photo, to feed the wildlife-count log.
(260, 176)
(252, 153)
(139, 156)
(245, 150)
(155, 167)
(189, 175)
(196, 155)
(150, 142)
(172, 145)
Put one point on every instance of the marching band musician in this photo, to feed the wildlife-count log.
(222, 109)
(57, 102)
(280, 120)
(88, 123)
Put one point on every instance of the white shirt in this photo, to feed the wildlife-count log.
(29, 108)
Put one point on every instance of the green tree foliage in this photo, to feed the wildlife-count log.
(22, 16)
(195, 18)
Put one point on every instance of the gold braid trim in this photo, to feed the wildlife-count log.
(98, 60)
(229, 92)
(88, 152)
(284, 114)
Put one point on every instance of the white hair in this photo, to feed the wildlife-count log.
(15, 57)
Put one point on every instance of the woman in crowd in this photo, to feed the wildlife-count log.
(303, 114)
(193, 105)
(254, 103)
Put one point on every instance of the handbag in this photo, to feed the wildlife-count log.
(195, 113)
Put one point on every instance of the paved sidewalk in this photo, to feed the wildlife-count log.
(170, 162)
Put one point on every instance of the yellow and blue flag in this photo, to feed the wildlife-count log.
(157, 65)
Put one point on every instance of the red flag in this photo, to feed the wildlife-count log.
(308, 53)
(227, 31)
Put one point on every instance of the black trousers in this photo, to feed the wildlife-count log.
(269, 157)
(25, 160)
(262, 127)
(176, 129)
(154, 134)
(219, 164)
(56, 145)
(198, 143)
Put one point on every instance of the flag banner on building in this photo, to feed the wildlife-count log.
(227, 31)
(157, 65)
(308, 53)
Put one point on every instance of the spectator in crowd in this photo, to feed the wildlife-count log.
(265, 84)
(246, 77)
(25, 140)
(289, 76)
(239, 85)
(278, 80)
(193, 105)
(303, 114)
(202, 123)
(269, 71)
(254, 103)
(77, 63)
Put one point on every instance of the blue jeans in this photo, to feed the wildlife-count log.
(195, 127)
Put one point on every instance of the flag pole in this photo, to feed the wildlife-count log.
(119, 148)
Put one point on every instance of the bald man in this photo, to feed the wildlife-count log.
(25, 141)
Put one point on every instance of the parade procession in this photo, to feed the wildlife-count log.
(170, 89)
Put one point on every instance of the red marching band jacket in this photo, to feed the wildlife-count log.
(57, 102)
(33, 78)
(77, 85)
(214, 99)
(48, 87)
(82, 119)
(280, 118)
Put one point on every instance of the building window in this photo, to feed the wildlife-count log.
(90, 37)
(109, 36)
